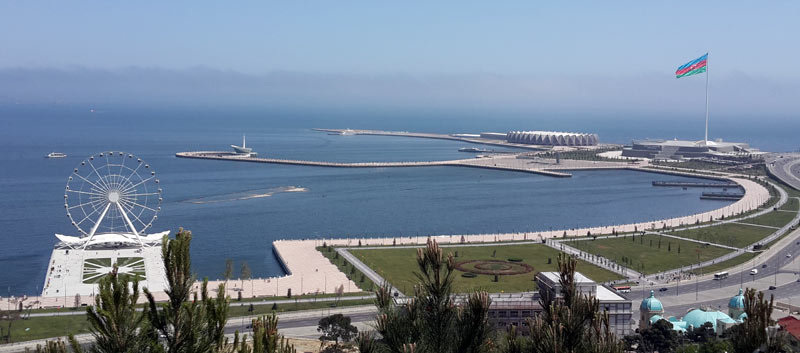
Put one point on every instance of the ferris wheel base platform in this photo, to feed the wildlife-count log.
(77, 270)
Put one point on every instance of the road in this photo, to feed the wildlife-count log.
(786, 167)
(774, 269)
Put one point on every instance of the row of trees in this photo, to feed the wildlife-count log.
(188, 322)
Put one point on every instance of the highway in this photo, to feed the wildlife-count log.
(786, 167)
(774, 268)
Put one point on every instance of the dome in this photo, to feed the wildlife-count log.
(698, 317)
(651, 303)
(737, 302)
(655, 318)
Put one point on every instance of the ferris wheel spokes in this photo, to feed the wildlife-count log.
(113, 195)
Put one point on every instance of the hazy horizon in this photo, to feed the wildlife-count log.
(515, 58)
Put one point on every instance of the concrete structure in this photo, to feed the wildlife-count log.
(552, 138)
(617, 306)
(680, 149)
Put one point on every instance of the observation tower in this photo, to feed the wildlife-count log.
(112, 199)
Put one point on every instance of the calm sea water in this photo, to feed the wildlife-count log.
(214, 199)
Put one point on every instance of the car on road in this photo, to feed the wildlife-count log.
(764, 266)
(663, 289)
(771, 287)
(788, 255)
(753, 272)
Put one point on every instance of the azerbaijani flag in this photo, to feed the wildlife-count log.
(693, 67)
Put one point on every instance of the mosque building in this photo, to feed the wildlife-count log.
(651, 311)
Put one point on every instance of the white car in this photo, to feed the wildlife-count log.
(753, 272)
(788, 255)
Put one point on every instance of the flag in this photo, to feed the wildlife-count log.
(695, 66)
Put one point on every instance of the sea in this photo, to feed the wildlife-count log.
(236, 210)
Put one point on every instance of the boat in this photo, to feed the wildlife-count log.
(346, 132)
(243, 149)
(55, 155)
(472, 149)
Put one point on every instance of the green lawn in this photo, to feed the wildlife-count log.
(44, 327)
(60, 326)
(791, 205)
(736, 235)
(724, 265)
(772, 219)
(641, 256)
(362, 281)
(398, 266)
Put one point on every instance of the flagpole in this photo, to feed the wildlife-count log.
(706, 139)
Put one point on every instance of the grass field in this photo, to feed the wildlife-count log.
(59, 326)
(736, 235)
(363, 282)
(772, 219)
(791, 205)
(398, 266)
(641, 256)
(736, 261)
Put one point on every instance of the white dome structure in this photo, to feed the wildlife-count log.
(552, 138)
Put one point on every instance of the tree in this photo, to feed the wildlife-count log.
(715, 346)
(114, 322)
(752, 333)
(336, 327)
(570, 322)
(195, 326)
(228, 270)
(431, 320)
(244, 272)
(10, 316)
(658, 337)
(265, 338)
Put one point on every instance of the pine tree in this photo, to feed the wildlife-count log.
(430, 321)
(114, 321)
(752, 333)
(195, 326)
(571, 323)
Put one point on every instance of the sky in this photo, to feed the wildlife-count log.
(528, 56)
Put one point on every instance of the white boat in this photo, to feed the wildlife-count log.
(55, 155)
(347, 132)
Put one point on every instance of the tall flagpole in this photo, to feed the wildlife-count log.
(706, 139)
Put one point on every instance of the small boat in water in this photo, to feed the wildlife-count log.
(472, 149)
(55, 155)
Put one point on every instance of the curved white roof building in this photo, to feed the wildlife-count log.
(552, 138)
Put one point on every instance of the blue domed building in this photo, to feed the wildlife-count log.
(651, 311)
(736, 306)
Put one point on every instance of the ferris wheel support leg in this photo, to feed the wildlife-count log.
(97, 224)
(130, 224)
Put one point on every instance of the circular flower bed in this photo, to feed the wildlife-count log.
(493, 267)
(468, 275)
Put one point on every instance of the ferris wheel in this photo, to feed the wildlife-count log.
(112, 192)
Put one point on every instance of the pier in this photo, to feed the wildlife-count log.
(690, 184)
(472, 162)
(721, 196)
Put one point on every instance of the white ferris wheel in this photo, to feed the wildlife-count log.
(112, 193)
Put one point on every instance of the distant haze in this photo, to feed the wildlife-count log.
(512, 58)
(646, 94)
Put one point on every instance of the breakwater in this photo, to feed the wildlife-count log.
(227, 156)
